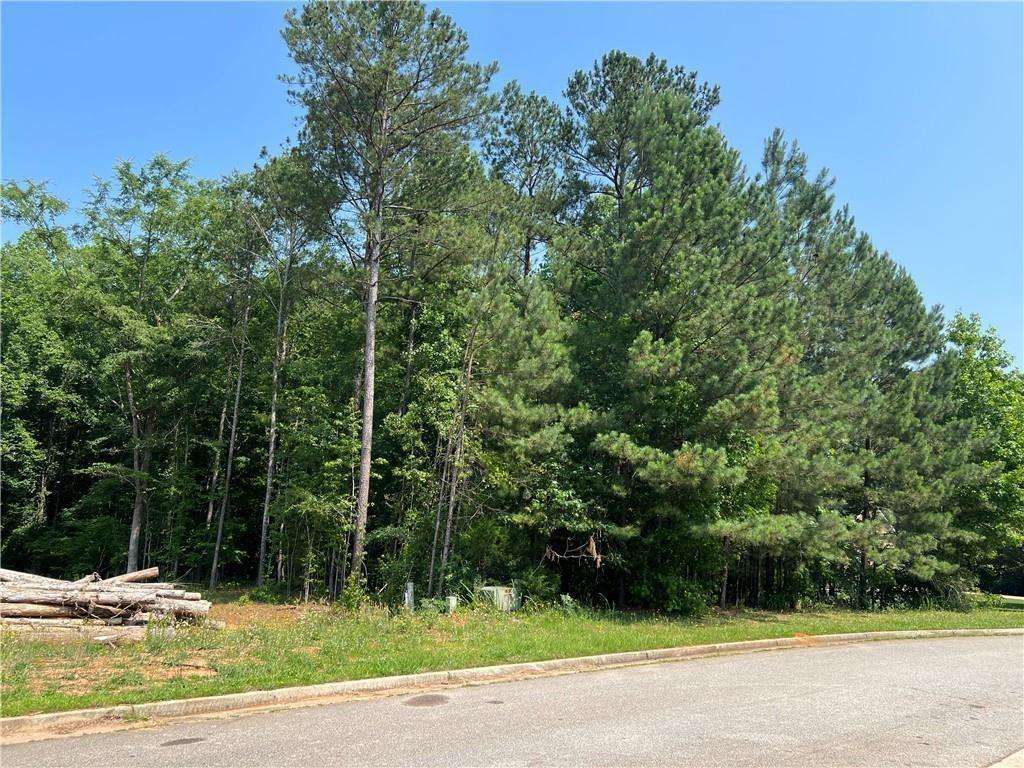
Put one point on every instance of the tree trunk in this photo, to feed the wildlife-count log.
(140, 466)
(453, 493)
(280, 553)
(215, 469)
(279, 353)
(308, 573)
(455, 474)
(141, 458)
(344, 558)
(527, 253)
(445, 467)
(862, 600)
(373, 248)
(137, 511)
(725, 585)
(410, 348)
(331, 574)
(863, 581)
(43, 493)
(234, 431)
(758, 586)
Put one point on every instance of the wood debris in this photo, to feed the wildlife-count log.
(107, 610)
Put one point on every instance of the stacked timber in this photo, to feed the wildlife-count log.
(109, 610)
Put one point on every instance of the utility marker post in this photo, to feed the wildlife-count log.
(409, 602)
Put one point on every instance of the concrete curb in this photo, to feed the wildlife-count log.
(1016, 760)
(62, 723)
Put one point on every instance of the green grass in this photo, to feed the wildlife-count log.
(328, 644)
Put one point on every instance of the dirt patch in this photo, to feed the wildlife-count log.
(168, 670)
(236, 615)
(72, 677)
(77, 677)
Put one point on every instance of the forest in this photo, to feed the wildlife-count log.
(457, 336)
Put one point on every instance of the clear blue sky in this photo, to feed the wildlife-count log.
(916, 108)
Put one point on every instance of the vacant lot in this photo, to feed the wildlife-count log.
(267, 646)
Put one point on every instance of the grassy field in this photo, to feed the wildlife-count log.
(269, 646)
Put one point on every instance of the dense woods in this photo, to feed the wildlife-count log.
(450, 336)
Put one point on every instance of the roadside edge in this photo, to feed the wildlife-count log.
(54, 724)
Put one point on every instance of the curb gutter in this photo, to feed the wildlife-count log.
(126, 715)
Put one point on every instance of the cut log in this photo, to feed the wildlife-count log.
(183, 608)
(144, 575)
(127, 593)
(114, 635)
(147, 585)
(56, 622)
(89, 598)
(26, 593)
(17, 577)
(163, 589)
(35, 611)
(72, 630)
(47, 607)
(47, 610)
(172, 594)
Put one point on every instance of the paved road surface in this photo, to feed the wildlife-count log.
(948, 702)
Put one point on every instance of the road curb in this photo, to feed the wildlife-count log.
(1016, 760)
(63, 723)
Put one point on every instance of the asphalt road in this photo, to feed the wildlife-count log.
(947, 702)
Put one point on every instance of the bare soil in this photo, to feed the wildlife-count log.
(249, 614)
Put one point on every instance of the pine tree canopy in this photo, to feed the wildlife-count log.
(454, 335)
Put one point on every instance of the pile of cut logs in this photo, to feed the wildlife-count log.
(107, 610)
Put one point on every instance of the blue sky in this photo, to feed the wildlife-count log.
(918, 109)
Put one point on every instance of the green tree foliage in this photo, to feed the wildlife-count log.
(449, 338)
(387, 91)
(524, 151)
(990, 392)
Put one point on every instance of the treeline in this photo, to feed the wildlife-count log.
(448, 336)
